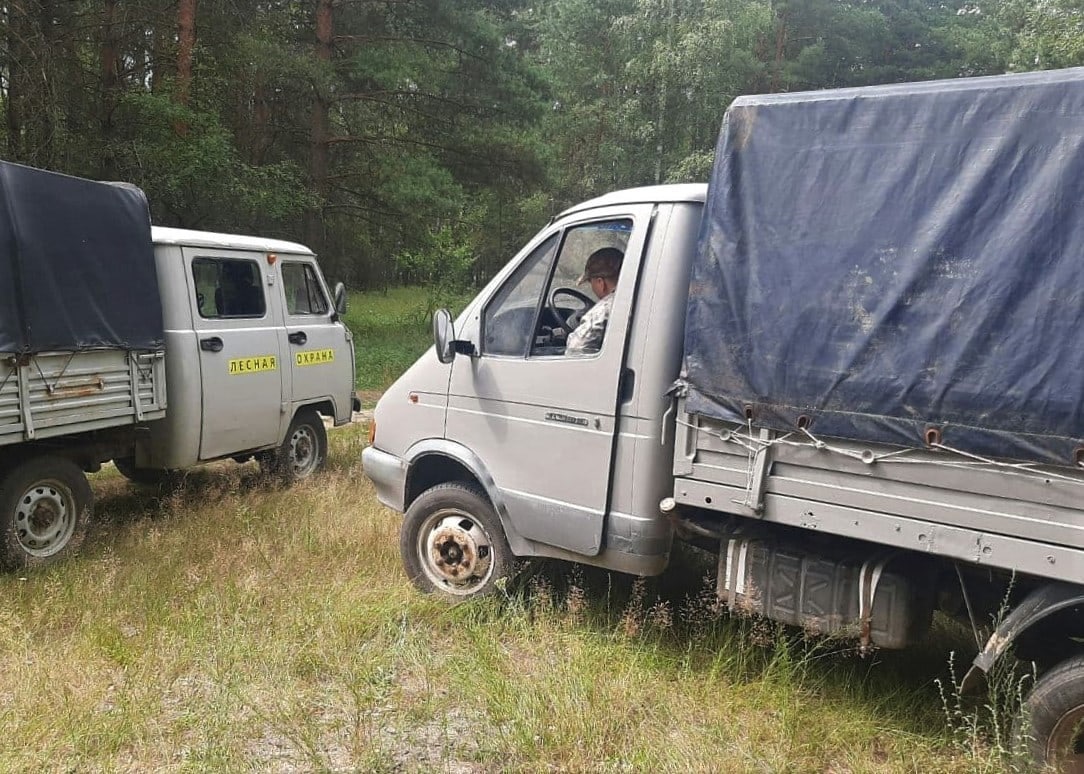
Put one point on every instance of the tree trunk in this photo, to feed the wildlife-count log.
(660, 121)
(186, 44)
(13, 93)
(780, 52)
(48, 91)
(319, 135)
(260, 136)
(158, 56)
(109, 62)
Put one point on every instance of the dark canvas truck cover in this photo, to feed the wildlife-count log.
(76, 265)
(886, 260)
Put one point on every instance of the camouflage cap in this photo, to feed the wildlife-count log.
(605, 262)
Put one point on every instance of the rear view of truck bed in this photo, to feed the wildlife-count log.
(82, 351)
(64, 393)
(81, 336)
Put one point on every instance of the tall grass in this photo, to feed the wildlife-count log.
(230, 625)
(391, 329)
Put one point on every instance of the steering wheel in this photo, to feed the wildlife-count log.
(562, 319)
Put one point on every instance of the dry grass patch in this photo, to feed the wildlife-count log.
(231, 625)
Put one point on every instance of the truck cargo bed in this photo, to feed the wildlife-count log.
(53, 394)
(889, 261)
(1015, 517)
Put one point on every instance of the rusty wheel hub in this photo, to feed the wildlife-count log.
(456, 552)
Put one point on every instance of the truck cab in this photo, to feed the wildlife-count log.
(566, 454)
(256, 352)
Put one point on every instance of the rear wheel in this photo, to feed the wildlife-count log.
(45, 507)
(303, 452)
(452, 543)
(1052, 718)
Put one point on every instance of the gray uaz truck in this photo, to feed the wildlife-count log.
(156, 348)
(851, 365)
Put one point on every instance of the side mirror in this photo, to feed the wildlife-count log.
(443, 335)
(340, 299)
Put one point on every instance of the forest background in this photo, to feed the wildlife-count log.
(423, 141)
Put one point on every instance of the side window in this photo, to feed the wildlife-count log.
(509, 319)
(228, 287)
(302, 288)
(579, 295)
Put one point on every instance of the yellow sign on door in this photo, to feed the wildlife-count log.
(314, 357)
(251, 365)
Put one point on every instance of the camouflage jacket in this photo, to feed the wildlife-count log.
(587, 338)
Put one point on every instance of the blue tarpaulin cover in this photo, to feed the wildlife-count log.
(886, 260)
(76, 265)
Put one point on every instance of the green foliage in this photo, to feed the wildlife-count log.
(195, 177)
(391, 330)
(437, 113)
(1048, 33)
(443, 267)
(694, 168)
(473, 120)
(829, 44)
(645, 105)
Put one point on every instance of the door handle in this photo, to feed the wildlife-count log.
(298, 338)
(626, 385)
(213, 344)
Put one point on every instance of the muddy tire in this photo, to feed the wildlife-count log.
(303, 453)
(145, 476)
(452, 543)
(1051, 723)
(45, 509)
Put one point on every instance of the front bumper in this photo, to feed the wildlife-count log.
(388, 474)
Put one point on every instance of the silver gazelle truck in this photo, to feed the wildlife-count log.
(851, 365)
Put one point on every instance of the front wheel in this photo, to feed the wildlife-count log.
(1052, 718)
(452, 543)
(45, 506)
(303, 452)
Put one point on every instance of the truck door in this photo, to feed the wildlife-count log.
(237, 332)
(543, 422)
(320, 349)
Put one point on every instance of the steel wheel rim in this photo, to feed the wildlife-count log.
(304, 451)
(1065, 747)
(45, 518)
(455, 552)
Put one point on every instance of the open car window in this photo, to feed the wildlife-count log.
(542, 302)
(565, 301)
